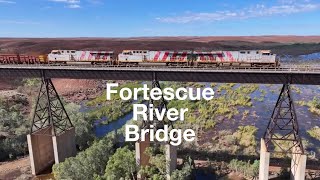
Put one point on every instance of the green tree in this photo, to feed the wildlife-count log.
(121, 165)
(156, 170)
(246, 168)
(83, 126)
(186, 172)
(13, 127)
(89, 163)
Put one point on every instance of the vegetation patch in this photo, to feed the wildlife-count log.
(121, 165)
(89, 163)
(240, 142)
(204, 114)
(156, 169)
(314, 105)
(114, 108)
(314, 132)
(247, 169)
(14, 126)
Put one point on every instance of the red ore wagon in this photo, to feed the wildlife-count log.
(18, 59)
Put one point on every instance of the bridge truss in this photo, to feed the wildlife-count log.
(49, 111)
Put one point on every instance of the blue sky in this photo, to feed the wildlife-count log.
(131, 18)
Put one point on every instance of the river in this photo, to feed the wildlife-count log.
(259, 115)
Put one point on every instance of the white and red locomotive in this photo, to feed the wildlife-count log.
(146, 56)
(95, 57)
(194, 58)
(237, 58)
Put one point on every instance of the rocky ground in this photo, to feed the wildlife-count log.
(78, 90)
(16, 169)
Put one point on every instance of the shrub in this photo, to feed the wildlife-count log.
(314, 132)
(87, 164)
(186, 172)
(121, 165)
(246, 168)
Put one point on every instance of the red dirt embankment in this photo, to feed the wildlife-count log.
(77, 90)
(73, 90)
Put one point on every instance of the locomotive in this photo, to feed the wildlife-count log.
(167, 57)
(94, 57)
(253, 58)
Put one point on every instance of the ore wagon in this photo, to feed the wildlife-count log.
(19, 59)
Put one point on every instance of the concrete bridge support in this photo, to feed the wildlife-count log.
(264, 162)
(283, 127)
(64, 145)
(142, 158)
(52, 137)
(171, 159)
(171, 151)
(298, 166)
(40, 151)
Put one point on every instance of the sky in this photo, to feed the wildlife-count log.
(140, 18)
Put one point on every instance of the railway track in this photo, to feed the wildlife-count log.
(310, 68)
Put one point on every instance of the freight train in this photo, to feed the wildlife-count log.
(253, 58)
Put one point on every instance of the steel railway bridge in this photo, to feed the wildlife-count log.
(285, 75)
(52, 134)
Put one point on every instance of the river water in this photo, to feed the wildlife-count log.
(259, 114)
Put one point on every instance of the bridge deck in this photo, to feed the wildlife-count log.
(289, 74)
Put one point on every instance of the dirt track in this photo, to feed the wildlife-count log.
(12, 170)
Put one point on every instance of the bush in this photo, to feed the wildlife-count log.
(121, 165)
(240, 142)
(186, 172)
(314, 132)
(246, 168)
(89, 163)
(13, 126)
(156, 169)
(83, 126)
(315, 105)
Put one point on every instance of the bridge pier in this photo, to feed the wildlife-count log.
(171, 151)
(264, 161)
(142, 159)
(171, 159)
(52, 137)
(40, 150)
(283, 127)
(298, 165)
